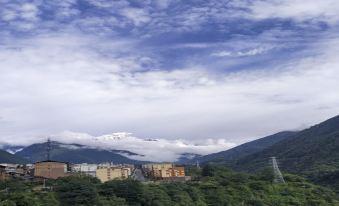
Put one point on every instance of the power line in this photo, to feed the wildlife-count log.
(198, 164)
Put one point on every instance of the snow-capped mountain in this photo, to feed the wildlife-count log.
(11, 149)
(135, 148)
(113, 136)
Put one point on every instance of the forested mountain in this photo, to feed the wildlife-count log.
(74, 153)
(313, 152)
(316, 148)
(6, 157)
(231, 155)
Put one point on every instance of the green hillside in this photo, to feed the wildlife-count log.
(231, 155)
(313, 153)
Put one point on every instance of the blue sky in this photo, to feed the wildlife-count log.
(230, 71)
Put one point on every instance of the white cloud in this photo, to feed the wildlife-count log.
(161, 16)
(137, 16)
(324, 10)
(99, 83)
(251, 52)
(25, 11)
(50, 84)
(29, 11)
(163, 4)
(147, 149)
(109, 4)
(8, 15)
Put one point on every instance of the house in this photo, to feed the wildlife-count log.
(50, 169)
(3, 174)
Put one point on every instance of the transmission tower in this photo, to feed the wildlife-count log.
(48, 149)
(278, 178)
(198, 164)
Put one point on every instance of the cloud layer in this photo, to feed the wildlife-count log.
(147, 149)
(190, 70)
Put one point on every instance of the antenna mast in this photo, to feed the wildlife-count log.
(278, 178)
(48, 149)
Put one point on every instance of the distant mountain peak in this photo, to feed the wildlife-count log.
(11, 149)
(113, 136)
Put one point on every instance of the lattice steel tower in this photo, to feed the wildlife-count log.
(278, 178)
(48, 149)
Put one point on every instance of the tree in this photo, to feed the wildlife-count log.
(130, 190)
(73, 191)
(7, 203)
(112, 201)
(155, 195)
(208, 170)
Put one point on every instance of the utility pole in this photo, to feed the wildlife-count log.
(44, 184)
(278, 178)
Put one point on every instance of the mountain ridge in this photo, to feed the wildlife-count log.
(75, 153)
(307, 146)
(231, 155)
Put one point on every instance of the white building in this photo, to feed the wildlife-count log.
(88, 169)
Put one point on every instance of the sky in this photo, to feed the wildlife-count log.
(214, 73)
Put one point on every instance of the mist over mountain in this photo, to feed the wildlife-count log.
(75, 153)
(148, 149)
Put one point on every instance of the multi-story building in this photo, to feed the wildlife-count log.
(87, 169)
(177, 172)
(163, 170)
(10, 168)
(158, 170)
(3, 174)
(105, 174)
(50, 169)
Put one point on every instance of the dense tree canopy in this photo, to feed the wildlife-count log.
(211, 186)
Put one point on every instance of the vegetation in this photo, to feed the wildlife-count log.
(312, 153)
(213, 185)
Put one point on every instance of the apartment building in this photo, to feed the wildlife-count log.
(105, 174)
(163, 170)
(177, 172)
(3, 174)
(50, 169)
(87, 169)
